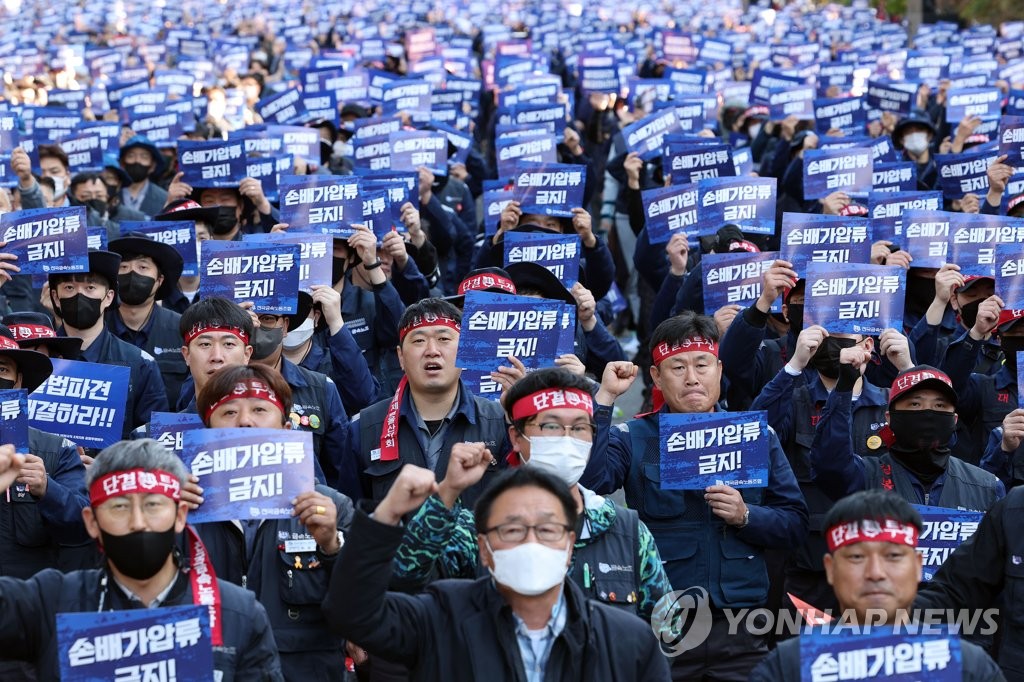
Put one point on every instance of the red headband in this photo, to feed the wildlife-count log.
(871, 530)
(203, 328)
(8, 344)
(428, 320)
(663, 351)
(550, 399)
(251, 388)
(489, 281)
(132, 481)
(32, 331)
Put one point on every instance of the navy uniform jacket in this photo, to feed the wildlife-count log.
(161, 338)
(464, 631)
(29, 608)
(698, 548)
(339, 357)
(372, 317)
(146, 393)
(32, 529)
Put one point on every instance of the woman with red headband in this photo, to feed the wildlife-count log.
(285, 562)
(135, 513)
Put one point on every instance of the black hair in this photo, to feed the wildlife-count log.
(429, 306)
(874, 505)
(550, 377)
(215, 312)
(685, 325)
(522, 477)
(83, 178)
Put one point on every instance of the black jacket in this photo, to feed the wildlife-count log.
(988, 564)
(462, 630)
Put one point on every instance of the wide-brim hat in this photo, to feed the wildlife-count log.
(33, 365)
(36, 329)
(106, 263)
(187, 209)
(305, 306)
(531, 276)
(493, 280)
(167, 258)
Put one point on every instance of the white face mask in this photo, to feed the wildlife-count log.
(530, 568)
(753, 130)
(915, 143)
(299, 335)
(564, 456)
(342, 148)
(58, 187)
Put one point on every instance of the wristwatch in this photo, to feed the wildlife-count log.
(746, 519)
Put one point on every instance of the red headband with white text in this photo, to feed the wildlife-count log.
(428, 320)
(871, 530)
(552, 399)
(250, 388)
(694, 344)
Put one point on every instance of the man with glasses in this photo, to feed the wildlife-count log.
(523, 622)
(713, 540)
(551, 411)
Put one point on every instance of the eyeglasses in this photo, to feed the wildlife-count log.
(270, 321)
(515, 533)
(580, 431)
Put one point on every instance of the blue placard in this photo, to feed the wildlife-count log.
(881, 652)
(985, 103)
(266, 274)
(943, 531)
(853, 298)
(734, 278)
(315, 255)
(285, 107)
(766, 80)
(376, 212)
(84, 150)
(409, 96)
(974, 239)
(1010, 275)
(536, 147)
(886, 97)
(497, 326)
(481, 384)
(885, 210)
(746, 202)
(882, 150)
(321, 203)
(964, 173)
(689, 163)
(298, 141)
(212, 164)
(743, 160)
(411, 149)
(494, 202)
(162, 129)
(846, 170)
(894, 177)
(1011, 140)
(559, 253)
(248, 473)
(840, 113)
(168, 643)
(713, 448)
(82, 401)
(96, 238)
(180, 234)
(646, 136)
(14, 419)
(268, 170)
(815, 238)
(540, 113)
(669, 209)
(791, 101)
(552, 189)
(926, 237)
(168, 428)
(47, 240)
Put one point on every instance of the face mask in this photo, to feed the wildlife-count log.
(753, 130)
(969, 314)
(338, 268)
(6, 384)
(134, 288)
(796, 318)
(299, 335)
(564, 456)
(1011, 345)
(922, 430)
(58, 187)
(915, 143)
(265, 342)
(344, 149)
(227, 220)
(136, 171)
(826, 358)
(530, 568)
(80, 311)
(139, 555)
(920, 293)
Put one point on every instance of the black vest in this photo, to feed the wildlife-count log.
(310, 401)
(612, 562)
(164, 344)
(966, 486)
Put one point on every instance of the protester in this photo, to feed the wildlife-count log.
(216, 334)
(187, 290)
(143, 163)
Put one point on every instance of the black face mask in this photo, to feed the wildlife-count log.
(6, 384)
(265, 341)
(1011, 345)
(139, 555)
(80, 311)
(134, 288)
(969, 313)
(338, 268)
(137, 171)
(920, 294)
(922, 441)
(796, 318)
(227, 220)
(97, 205)
(826, 358)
